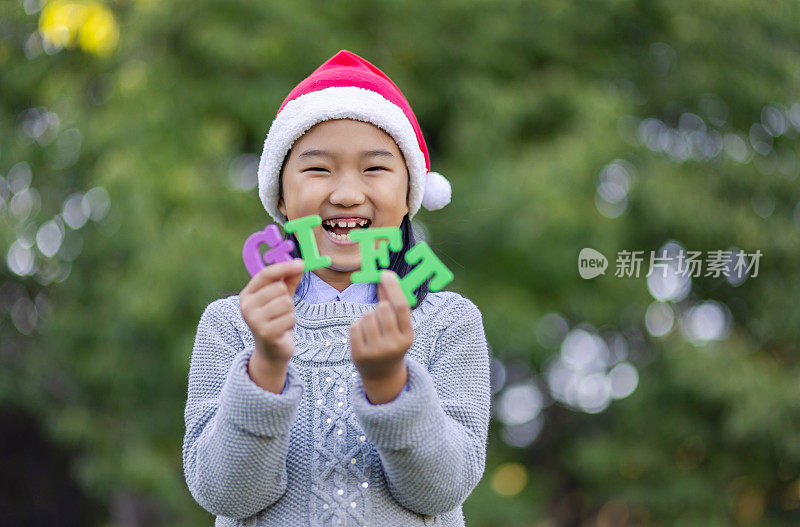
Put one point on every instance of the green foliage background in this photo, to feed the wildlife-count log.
(522, 104)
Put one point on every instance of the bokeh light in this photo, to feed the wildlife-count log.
(552, 328)
(243, 172)
(89, 24)
(509, 478)
(659, 318)
(615, 182)
(581, 376)
(519, 403)
(706, 322)
(667, 278)
(624, 377)
(49, 237)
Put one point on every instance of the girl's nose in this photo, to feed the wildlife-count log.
(348, 192)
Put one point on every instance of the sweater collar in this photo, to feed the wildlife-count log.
(326, 312)
(316, 290)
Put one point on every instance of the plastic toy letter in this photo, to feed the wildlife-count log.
(429, 266)
(280, 249)
(373, 254)
(303, 231)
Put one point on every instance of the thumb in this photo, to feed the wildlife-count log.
(382, 293)
(293, 280)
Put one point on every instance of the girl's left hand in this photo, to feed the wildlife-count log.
(379, 341)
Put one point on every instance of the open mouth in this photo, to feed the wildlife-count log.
(339, 228)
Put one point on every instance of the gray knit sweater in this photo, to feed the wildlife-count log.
(319, 453)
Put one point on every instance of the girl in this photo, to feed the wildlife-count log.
(334, 403)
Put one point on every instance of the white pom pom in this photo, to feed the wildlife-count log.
(437, 191)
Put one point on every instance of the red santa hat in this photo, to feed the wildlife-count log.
(347, 86)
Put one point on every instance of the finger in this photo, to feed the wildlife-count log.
(252, 302)
(283, 323)
(277, 327)
(404, 321)
(266, 294)
(278, 307)
(387, 319)
(389, 289)
(356, 339)
(293, 281)
(395, 296)
(268, 275)
(369, 325)
(272, 273)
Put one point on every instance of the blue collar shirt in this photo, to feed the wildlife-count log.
(319, 291)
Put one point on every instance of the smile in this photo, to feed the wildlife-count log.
(338, 229)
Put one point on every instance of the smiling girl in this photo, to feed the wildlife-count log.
(316, 401)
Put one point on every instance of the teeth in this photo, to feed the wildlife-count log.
(343, 223)
(342, 237)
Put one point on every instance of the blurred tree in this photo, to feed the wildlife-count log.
(129, 136)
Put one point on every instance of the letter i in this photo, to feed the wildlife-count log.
(303, 229)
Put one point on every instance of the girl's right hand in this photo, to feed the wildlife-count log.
(267, 307)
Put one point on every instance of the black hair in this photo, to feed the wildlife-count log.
(397, 260)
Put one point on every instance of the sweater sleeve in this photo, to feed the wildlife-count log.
(432, 437)
(237, 434)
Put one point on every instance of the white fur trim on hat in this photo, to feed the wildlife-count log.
(337, 102)
(437, 191)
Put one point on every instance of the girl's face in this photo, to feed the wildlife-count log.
(353, 175)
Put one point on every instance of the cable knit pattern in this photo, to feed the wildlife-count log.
(320, 453)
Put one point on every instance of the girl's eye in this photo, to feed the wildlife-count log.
(315, 169)
(377, 168)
